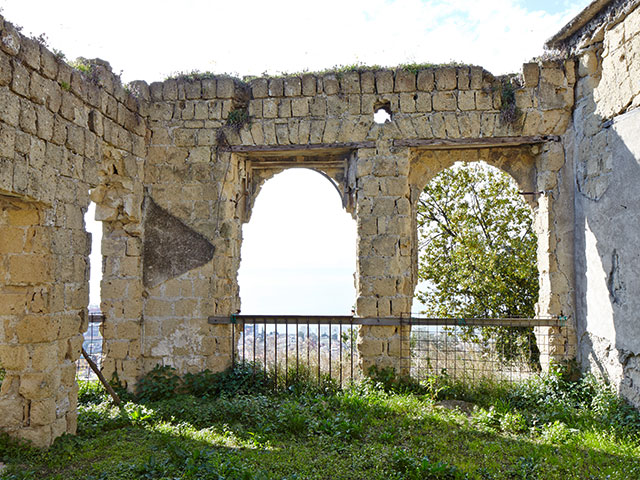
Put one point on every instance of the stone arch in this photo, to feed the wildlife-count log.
(288, 229)
(518, 162)
(337, 165)
(535, 169)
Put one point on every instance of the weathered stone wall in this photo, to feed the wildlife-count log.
(174, 171)
(55, 125)
(605, 148)
(205, 168)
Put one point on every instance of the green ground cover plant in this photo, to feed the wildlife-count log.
(234, 425)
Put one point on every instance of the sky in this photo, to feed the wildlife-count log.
(299, 247)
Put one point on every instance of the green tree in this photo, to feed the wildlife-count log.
(478, 253)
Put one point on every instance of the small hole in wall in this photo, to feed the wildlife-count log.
(382, 114)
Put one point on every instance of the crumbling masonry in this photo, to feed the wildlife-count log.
(174, 169)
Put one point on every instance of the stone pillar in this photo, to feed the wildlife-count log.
(119, 207)
(43, 298)
(554, 228)
(121, 304)
(384, 280)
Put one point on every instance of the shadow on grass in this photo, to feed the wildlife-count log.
(361, 435)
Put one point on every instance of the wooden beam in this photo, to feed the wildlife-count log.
(299, 149)
(103, 381)
(483, 142)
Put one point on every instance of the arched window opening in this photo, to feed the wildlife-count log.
(477, 260)
(298, 258)
(298, 250)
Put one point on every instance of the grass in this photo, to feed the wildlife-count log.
(338, 70)
(237, 428)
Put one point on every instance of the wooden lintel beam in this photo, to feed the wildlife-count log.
(483, 142)
(307, 147)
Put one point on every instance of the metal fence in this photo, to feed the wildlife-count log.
(473, 349)
(323, 347)
(293, 347)
(92, 345)
(290, 347)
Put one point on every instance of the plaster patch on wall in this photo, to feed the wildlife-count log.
(170, 247)
(186, 336)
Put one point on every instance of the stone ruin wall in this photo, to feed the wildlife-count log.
(605, 148)
(58, 132)
(174, 171)
(196, 158)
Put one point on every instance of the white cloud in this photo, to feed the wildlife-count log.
(150, 39)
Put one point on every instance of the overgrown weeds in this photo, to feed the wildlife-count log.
(238, 425)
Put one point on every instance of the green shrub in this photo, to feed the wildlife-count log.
(160, 383)
(91, 392)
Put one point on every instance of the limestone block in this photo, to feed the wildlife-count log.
(531, 74)
(385, 245)
(14, 357)
(282, 133)
(292, 86)
(11, 409)
(199, 155)
(308, 85)
(330, 84)
(9, 107)
(39, 386)
(43, 412)
(10, 39)
(470, 125)
(170, 90)
(443, 101)
(401, 305)
(39, 436)
(118, 349)
(270, 108)
(29, 269)
(384, 81)
(488, 123)
(408, 102)
(276, 87)
(284, 108)
(44, 356)
(553, 75)
(405, 81)
(484, 100)
(192, 89)
(366, 307)
(524, 99)
(259, 88)
(318, 106)
(464, 78)
(48, 63)
(384, 307)
(466, 100)
(446, 78)
(369, 348)
(451, 125)
(555, 122)
(367, 82)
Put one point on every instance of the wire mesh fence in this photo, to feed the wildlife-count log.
(296, 348)
(92, 345)
(321, 348)
(482, 349)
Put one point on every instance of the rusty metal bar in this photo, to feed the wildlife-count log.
(393, 321)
